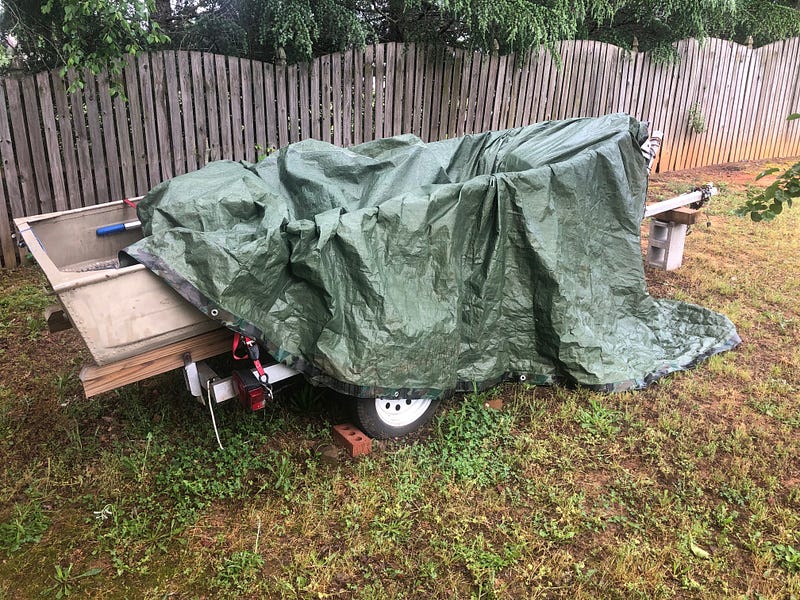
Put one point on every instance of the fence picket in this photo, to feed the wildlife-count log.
(134, 104)
(51, 140)
(248, 119)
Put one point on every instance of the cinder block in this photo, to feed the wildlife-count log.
(352, 439)
(665, 244)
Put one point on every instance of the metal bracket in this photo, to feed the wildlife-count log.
(203, 382)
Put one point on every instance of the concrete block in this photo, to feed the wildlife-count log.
(665, 244)
(352, 439)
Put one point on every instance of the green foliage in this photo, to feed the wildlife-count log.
(787, 557)
(470, 442)
(598, 420)
(697, 121)
(65, 580)
(98, 34)
(768, 203)
(25, 527)
(239, 571)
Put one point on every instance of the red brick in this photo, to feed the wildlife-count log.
(352, 439)
(494, 403)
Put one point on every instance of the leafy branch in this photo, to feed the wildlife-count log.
(768, 204)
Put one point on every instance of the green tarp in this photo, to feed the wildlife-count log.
(402, 266)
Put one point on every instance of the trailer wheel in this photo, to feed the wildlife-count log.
(384, 418)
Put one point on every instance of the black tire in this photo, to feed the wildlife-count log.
(383, 418)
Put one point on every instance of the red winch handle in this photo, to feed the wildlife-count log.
(252, 352)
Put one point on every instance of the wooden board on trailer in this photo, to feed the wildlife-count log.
(99, 379)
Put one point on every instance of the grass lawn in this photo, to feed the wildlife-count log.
(688, 489)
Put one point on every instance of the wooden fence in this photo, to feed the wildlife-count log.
(721, 102)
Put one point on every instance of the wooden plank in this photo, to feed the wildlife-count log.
(397, 100)
(499, 91)
(172, 88)
(291, 101)
(389, 90)
(546, 75)
(283, 110)
(625, 74)
(248, 125)
(732, 101)
(199, 95)
(786, 69)
(790, 145)
(380, 88)
(614, 67)
(479, 93)
(765, 110)
(78, 110)
(235, 102)
(11, 192)
(214, 144)
(25, 172)
(586, 76)
(49, 125)
(124, 150)
(369, 92)
(432, 134)
(674, 147)
(455, 97)
(346, 93)
(521, 64)
(666, 97)
(606, 56)
(336, 98)
(419, 86)
(715, 98)
(187, 112)
(259, 113)
(139, 156)
(464, 94)
(409, 71)
(71, 166)
(99, 379)
(447, 95)
(358, 96)
(39, 159)
(12, 177)
(490, 92)
(162, 141)
(305, 101)
(8, 252)
(530, 89)
(427, 92)
(326, 106)
(509, 91)
(224, 104)
(271, 106)
(561, 85)
(147, 87)
(755, 85)
(689, 97)
(315, 100)
(749, 67)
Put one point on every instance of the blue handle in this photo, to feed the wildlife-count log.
(109, 229)
(118, 227)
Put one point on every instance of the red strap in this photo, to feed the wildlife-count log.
(129, 202)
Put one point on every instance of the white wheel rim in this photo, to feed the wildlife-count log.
(399, 412)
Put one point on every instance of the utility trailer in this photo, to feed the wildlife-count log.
(136, 326)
